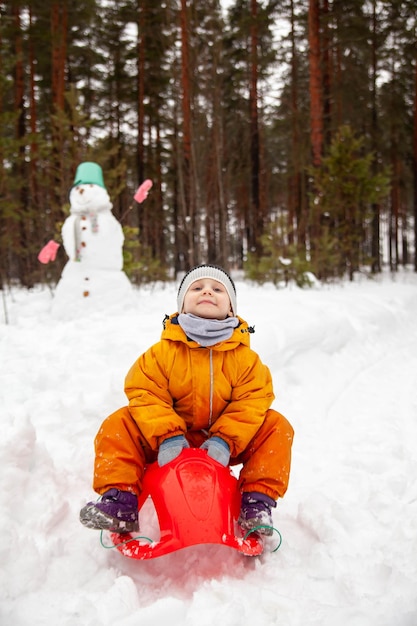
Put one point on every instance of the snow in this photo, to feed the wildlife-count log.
(344, 363)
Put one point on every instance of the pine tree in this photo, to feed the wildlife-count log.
(345, 190)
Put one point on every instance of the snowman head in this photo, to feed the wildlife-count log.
(88, 198)
(88, 193)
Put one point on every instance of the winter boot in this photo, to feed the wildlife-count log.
(256, 511)
(116, 511)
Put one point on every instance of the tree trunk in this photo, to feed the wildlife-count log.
(316, 118)
(375, 226)
(140, 150)
(187, 199)
(24, 264)
(141, 89)
(395, 207)
(415, 160)
(296, 208)
(59, 28)
(33, 163)
(316, 81)
(327, 77)
(258, 217)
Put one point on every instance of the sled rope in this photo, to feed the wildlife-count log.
(123, 543)
(150, 541)
(255, 528)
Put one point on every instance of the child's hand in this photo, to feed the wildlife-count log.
(217, 449)
(171, 448)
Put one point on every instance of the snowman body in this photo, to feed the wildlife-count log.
(93, 277)
(91, 234)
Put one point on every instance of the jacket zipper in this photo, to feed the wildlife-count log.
(211, 388)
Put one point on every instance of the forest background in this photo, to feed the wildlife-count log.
(280, 136)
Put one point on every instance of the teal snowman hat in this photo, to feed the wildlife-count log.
(89, 173)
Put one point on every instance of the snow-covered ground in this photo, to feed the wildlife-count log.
(344, 362)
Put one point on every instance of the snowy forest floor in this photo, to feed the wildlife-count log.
(344, 364)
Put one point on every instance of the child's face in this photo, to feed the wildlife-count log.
(207, 298)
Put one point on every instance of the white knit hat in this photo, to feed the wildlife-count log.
(207, 271)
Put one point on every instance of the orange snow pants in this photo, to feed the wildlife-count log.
(122, 454)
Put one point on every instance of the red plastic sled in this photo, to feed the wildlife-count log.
(196, 501)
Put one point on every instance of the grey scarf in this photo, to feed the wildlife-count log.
(207, 332)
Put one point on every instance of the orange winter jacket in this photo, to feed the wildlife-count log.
(178, 386)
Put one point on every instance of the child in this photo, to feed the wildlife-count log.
(200, 386)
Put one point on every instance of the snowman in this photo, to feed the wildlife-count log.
(93, 277)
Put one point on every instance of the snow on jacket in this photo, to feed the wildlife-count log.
(178, 386)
